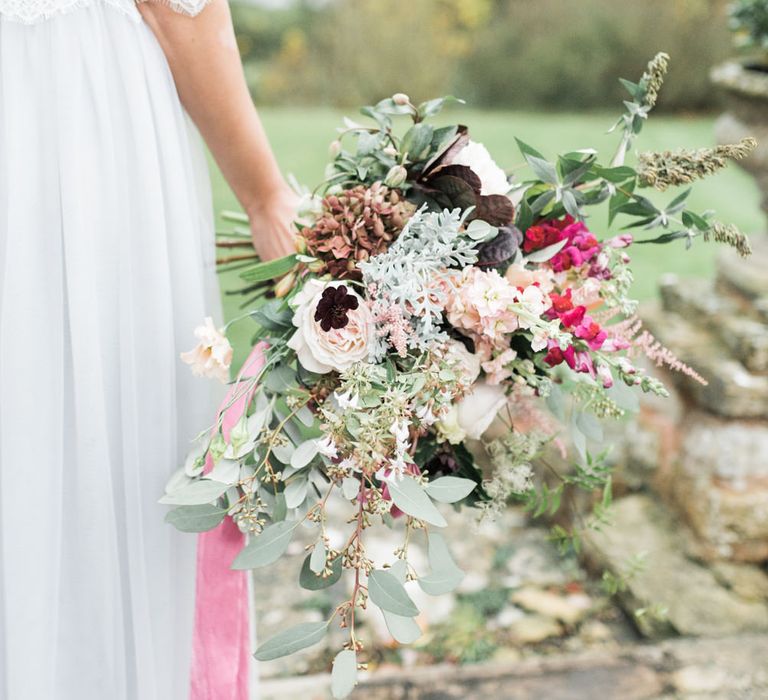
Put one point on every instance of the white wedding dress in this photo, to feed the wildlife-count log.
(106, 266)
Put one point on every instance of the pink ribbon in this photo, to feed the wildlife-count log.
(221, 638)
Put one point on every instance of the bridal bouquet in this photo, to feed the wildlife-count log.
(437, 330)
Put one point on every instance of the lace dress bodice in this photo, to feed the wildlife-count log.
(34, 11)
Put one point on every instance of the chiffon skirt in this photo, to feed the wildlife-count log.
(105, 268)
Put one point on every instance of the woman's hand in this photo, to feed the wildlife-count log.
(272, 224)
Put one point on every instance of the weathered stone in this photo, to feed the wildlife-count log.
(720, 484)
(732, 668)
(746, 580)
(727, 316)
(732, 391)
(745, 276)
(569, 609)
(532, 629)
(695, 602)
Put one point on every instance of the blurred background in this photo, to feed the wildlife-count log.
(671, 576)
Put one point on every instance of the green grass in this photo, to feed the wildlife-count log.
(300, 138)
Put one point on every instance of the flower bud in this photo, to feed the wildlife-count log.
(334, 148)
(396, 176)
(285, 285)
(316, 266)
(390, 151)
(301, 245)
(623, 240)
(401, 99)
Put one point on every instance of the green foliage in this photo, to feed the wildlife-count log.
(565, 55)
(749, 20)
(292, 640)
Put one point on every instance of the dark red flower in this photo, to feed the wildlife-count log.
(333, 307)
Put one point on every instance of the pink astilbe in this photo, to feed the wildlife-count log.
(630, 332)
(395, 328)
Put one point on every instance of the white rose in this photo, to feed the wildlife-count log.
(465, 362)
(477, 409)
(337, 348)
(448, 426)
(212, 356)
(476, 157)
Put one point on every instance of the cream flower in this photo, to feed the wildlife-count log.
(337, 348)
(476, 157)
(477, 409)
(466, 363)
(212, 356)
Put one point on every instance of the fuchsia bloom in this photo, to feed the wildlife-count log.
(582, 246)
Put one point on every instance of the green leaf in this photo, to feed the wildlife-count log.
(195, 518)
(590, 426)
(304, 454)
(432, 107)
(524, 216)
(292, 640)
(544, 254)
(312, 582)
(449, 489)
(445, 575)
(267, 547)
(543, 169)
(317, 559)
(296, 491)
(389, 594)
(411, 498)
(416, 141)
(404, 630)
(528, 151)
(344, 674)
(269, 270)
(196, 493)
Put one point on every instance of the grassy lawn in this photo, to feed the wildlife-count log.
(300, 138)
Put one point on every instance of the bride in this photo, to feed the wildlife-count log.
(106, 264)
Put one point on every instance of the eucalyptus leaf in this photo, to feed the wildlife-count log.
(196, 493)
(267, 547)
(410, 497)
(544, 254)
(292, 640)
(350, 487)
(304, 454)
(199, 518)
(449, 489)
(404, 630)
(296, 491)
(312, 582)
(226, 471)
(445, 576)
(590, 426)
(389, 594)
(284, 452)
(280, 511)
(344, 674)
(317, 559)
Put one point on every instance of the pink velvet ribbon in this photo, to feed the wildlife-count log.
(221, 639)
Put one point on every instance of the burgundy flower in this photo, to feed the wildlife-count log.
(333, 307)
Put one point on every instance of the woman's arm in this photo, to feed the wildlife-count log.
(206, 67)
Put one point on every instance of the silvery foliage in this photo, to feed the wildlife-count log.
(406, 274)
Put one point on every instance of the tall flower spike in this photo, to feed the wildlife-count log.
(653, 78)
(680, 167)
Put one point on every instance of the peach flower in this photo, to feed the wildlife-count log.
(212, 356)
(337, 349)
